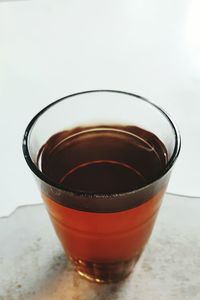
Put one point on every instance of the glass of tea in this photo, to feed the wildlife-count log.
(102, 160)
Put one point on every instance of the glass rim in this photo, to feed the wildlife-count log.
(43, 177)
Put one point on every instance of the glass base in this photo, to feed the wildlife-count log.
(104, 272)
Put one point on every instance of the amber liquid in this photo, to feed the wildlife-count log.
(104, 242)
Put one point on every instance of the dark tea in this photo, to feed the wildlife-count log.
(103, 236)
(102, 183)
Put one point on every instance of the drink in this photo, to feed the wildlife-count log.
(102, 185)
(104, 160)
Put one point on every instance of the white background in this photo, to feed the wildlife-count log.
(51, 48)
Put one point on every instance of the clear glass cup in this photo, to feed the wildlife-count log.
(104, 234)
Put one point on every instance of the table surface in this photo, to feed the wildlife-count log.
(34, 267)
(53, 48)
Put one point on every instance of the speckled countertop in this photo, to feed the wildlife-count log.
(33, 266)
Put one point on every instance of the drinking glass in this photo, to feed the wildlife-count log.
(103, 234)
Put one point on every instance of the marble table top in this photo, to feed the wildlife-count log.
(33, 266)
